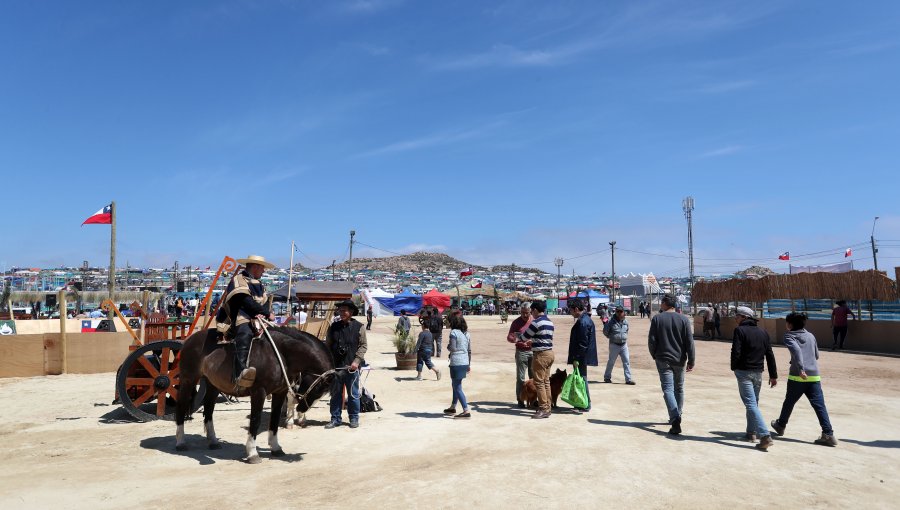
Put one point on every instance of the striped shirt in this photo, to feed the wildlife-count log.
(540, 332)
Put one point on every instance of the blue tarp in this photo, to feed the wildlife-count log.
(406, 300)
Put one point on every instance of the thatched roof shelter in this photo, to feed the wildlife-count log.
(853, 285)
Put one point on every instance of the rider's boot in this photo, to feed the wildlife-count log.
(243, 375)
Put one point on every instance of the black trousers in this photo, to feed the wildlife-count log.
(243, 334)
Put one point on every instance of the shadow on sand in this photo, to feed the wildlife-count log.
(719, 437)
(198, 450)
(878, 443)
(511, 409)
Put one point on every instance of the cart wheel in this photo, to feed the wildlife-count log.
(147, 383)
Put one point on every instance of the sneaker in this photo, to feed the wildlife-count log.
(676, 427)
(539, 415)
(749, 437)
(438, 374)
(332, 424)
(464, 414)
(764, 443)
(630, 383)
(777, 427)
(607, 380)
(450, 410)
(419, 377)
(354, 424)
(826, 440)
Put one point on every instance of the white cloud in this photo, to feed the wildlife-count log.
(434, 140)
(727, 86)
(722, 151)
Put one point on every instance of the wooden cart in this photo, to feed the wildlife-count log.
(148, 381)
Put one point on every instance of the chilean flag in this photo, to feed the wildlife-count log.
(848, 253)
(101, 217)
(476, 285)
(785, 256)
(466, 272)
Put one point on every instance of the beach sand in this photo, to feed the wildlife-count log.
(65, 446)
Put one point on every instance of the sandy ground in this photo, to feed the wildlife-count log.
(64, 445)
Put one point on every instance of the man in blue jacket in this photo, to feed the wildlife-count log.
(582, 344)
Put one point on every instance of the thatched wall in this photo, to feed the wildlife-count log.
(853, 285)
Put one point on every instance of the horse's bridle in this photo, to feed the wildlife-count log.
(316, 383)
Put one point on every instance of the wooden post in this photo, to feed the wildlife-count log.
(145, 311)
(12, 316)
(61, 300)
(112, 252)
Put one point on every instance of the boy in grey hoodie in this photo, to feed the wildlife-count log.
(804, 378)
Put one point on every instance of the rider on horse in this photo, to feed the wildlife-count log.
(245, 298)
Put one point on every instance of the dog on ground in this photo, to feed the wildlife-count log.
(529, 391)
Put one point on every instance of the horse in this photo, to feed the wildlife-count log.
(308, 363)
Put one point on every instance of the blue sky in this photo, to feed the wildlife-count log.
(497, 132)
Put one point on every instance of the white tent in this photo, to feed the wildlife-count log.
(369, 301)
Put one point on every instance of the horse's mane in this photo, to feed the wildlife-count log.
(302, 336)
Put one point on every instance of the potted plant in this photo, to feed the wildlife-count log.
(406, 355)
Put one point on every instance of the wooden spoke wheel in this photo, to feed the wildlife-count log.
(148, 382)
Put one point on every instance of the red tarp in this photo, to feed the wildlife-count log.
(436, 299)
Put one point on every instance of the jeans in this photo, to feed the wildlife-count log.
(813, 392)
(540, 365)
(749, 383)
(437, 343)
(616, 351)
(582, 370)
(523, 368)
(424, 359)
(671, 378)
(350, 381)
(839, 332)
(458, 394)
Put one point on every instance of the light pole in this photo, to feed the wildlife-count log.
(350, 268)
(612, 291)
(687, 205)
(874, 249)
(559, 263)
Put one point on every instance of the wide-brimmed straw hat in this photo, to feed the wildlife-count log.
(256, 259)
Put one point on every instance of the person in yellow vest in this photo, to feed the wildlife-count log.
(245, 299)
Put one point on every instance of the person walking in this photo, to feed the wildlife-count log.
(524, 356)
(582, 344)
(346, 339)
(403, 324)
(804, 379)
(539, 337)
(460, 347)
(671, 346)
(368, 318)
(436, 326)
(424, 346)
(839, 323)
(750, 350)
(717, 321)
(616, 330)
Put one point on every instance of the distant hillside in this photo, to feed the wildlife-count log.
(418, 261)
(758, 271)
(427, 262)
(507, 268)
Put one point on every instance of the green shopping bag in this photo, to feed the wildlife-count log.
(573, 391)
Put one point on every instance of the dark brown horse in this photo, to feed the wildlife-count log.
(309, 367)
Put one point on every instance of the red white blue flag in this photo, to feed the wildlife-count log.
(785, 256)
(101, 217)
(848, 253)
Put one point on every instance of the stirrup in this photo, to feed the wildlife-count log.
(248, 375)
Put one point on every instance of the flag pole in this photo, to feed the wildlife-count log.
(290, 284)
(112, 250)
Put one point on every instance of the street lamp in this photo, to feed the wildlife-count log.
(687, 205)
(612, 292)
(559, 263)
(874, 249)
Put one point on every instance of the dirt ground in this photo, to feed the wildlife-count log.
(65, 446)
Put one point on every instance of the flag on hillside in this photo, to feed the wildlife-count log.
(207, 267)
(785, 256)
(476, 285)
(466, 272)
(848, 253)
(101, 217)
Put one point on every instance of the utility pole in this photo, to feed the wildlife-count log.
(874, 249)
(559, 263)
(612, 292)
(512, 277)
(112, 252)
(352, 233)
(333, 276)
(687, 205)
